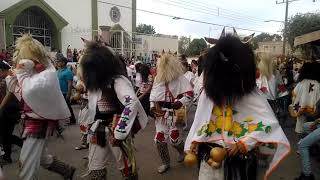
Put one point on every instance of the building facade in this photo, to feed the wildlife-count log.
(272, 47)
(147, 46)
(60, 24)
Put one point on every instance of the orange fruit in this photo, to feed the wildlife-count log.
(218, 154)
(215, 165)
(190, 159)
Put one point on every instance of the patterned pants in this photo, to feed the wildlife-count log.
(100, 156)
(168, 131)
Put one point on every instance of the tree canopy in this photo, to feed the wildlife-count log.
(301, 24)
(145, 29)
(196, 47)
(183, 44)
(264, 37)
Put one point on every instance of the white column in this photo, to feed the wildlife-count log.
(122, 43)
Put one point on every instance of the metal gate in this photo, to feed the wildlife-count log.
(32, 21)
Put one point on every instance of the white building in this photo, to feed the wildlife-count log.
(272, 47)
(147, 46)
(60, 23)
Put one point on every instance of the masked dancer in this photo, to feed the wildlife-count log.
(170, 93)
(115, 112)
(233, 121)
(37, 87)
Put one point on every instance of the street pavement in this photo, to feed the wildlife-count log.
(147, 158)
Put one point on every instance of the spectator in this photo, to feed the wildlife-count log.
(9, 115)
(75, 55)
(65, 79)
(194, 67)
(145, 88)
(138, 79)
(2, 55)
(188, 74)
(306, 102)
(69, 54)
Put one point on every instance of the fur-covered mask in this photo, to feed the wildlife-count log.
(29, 48)
(169, 68)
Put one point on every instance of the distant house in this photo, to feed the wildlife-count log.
(272, 47)
(313, 39)
(148, 46)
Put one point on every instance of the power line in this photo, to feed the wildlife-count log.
(220, 12)
(205, 11)
(182, 18)
(234, 12)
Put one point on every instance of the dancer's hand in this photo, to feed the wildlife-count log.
(115, 142)
(39, 67)
(154, 112)
(237, 148)
(194, 148)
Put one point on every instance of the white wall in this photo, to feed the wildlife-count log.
(126, 14)
(154, 43)
(78, 14)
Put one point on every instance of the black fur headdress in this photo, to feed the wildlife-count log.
(229, 70)
(100, 65)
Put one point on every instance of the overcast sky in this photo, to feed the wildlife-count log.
(249, 14)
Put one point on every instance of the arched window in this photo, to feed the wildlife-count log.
(33, 21)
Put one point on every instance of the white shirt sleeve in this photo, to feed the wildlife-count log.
(132, 107)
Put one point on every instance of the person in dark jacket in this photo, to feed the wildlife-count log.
(9, 116)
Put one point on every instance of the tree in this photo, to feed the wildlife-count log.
(301, 24)
(183, 44)
(196, 47)
(145, 29)
(264, 37)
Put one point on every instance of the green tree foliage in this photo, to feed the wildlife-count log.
(196, 47)
(302, 24)
(264, 37)
(145, 29)
(183, 44)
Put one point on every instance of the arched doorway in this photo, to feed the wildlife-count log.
(35, 17)
(35, 22)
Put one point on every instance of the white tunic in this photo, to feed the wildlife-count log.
(132, 108)
(252, 120)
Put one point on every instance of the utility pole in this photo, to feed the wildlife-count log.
(286, 23)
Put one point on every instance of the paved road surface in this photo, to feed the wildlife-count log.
(147, 159)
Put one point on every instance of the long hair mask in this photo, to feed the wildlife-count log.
(168, 68)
